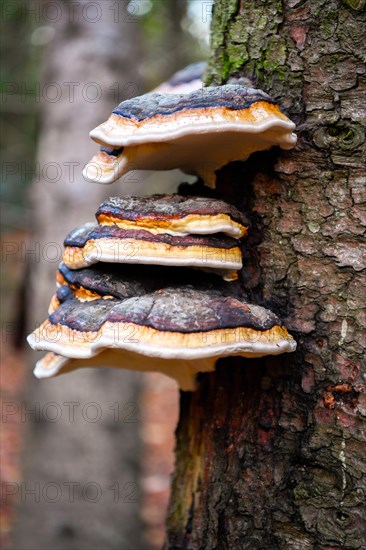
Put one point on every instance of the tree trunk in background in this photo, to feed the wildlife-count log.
(271, 453)
(92, 59)
(94, 64)
(176, 42)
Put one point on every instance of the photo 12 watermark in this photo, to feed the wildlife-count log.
(53, 253)
(34, 252)
(70, 412)
(52, 492)
(51, 12)
(66, 92)
(53, 172)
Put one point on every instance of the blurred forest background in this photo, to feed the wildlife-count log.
(56, 58)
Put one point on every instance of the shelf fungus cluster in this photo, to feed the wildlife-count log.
(107, 319)
(161, 230)
(146, 286)
(113, 309)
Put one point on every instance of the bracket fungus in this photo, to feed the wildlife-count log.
(174, 214)
(177, 330)
(122, 298)
(184, 81)
(91, 243)
(98, 282)
(183, 372)
(106, 281)
(198, 132)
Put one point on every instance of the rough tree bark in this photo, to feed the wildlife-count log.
(271, 453)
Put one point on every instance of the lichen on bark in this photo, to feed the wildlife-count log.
(270, 453)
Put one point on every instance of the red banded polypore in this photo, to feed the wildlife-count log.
(181, 326)
(198, 132)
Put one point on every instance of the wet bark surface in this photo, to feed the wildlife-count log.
(270, 452)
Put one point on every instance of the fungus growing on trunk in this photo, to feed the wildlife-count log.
(184, 81)
(110, 308)
(198, 132)
(91, 243)
(174, 214)
(178, 326)
(184, 372)
(105, 281)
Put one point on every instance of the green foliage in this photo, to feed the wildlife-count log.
(169, 40)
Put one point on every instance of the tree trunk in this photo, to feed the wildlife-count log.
(270, 452)
(91, 63)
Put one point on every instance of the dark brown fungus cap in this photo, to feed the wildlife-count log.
(93, 243)
(106, 281)
(100, 281)
(173, 214)
(175, 324)
(198, 132)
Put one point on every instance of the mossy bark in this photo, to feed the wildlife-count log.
(271, 453)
